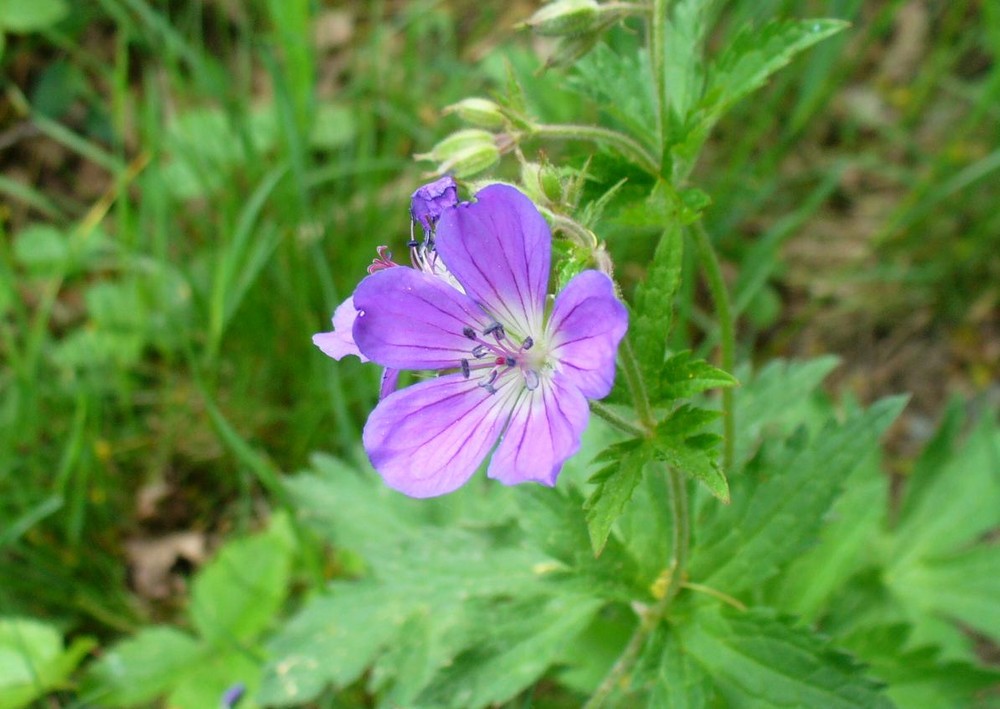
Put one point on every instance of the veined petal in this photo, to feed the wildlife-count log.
(584, 330)
(499, 248)
(428, 439)
(411, 320)
(340, 343)
(544, 430)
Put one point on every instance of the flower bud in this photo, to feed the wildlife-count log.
(565, 18)
(464, 153)
(479, 112)
(531, 182)
(551, 184)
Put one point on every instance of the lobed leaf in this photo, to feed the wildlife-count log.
(757, 658)
(613, 489)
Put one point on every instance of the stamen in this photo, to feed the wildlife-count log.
(531, 379)
(469, 332)
(480, 351)
(466, 371)
(528, 343)
(510, 361)
(495, 329)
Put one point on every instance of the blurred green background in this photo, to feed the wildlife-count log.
(190, 187)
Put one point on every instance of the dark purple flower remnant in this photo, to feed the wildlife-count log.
(514, 372)
(429, 202)
(232, 696)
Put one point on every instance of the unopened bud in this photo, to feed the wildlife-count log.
(464, 153)
(551, 184)
(531, 182)
(479, 112)
(565, 18)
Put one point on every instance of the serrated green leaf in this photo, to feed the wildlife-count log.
(621, 85)
(669, 676)
(758, 52)
(144, 667)
(522, 639)
(920, 679)
(964, 587)
(855, 520)
(614, 487)
(19, 16)
(330, 641)
(238, 593)
(651, 321)
(681, 445)
(584, 663)
(33, 661)
(682, 377)
(778, 516)
(957, 497)
(777, 399)
(203, 686)
(758, 659)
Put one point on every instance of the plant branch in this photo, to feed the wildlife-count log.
(657, 60)
(633, 377)
(625, 145)
(604, 412)
(727, 331)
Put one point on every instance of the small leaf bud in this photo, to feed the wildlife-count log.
(479, 112)
(565, 18)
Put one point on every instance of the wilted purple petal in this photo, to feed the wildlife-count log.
(544, 431)
(411, 320)
(429, 438)
(232, 696)
(340, 343)
(585, 327)
(428, 202)
(499, 249)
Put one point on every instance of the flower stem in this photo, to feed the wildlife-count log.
(604, 412)
(621, 142)
(657, 60)
(633, 377)
(727, 331)
(650, 618)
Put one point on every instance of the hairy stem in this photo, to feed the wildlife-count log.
(658, 63)
(625, 145)
(650, 618)
(633, 377)
(727, 331)
(604, 412)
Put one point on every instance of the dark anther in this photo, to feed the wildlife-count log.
(469, 332)
(465, 368)
(527, 344)
(510, 361)
(413, 243)
(496, 329)
(489, 387)
(480, 351)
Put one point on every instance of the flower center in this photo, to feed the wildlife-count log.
(501, 358)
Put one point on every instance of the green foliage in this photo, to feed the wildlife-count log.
(234, 599)
(33, 660)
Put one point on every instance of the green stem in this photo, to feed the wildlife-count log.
(633, 378)
(658, 63)
(650, 619)
(619, 141)
(604, 412)
(727, 331)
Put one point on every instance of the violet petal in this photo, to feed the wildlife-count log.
(340, 343)
(585, 327)
(544, 430)
(429, 438)
(412, 320)
(499, 249)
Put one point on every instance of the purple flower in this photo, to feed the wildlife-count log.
(511, 369)
(430, 201)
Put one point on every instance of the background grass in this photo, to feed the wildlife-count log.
(189, 188)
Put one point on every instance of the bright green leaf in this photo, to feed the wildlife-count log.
(758, 659)
(144, 667)
(670, 676)
(758, 52)
(613, 489)
(239, 592)
(33, 660)
(682, 444)
(775, 518)
(30, 15)
(682, 377)
(651, 321)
